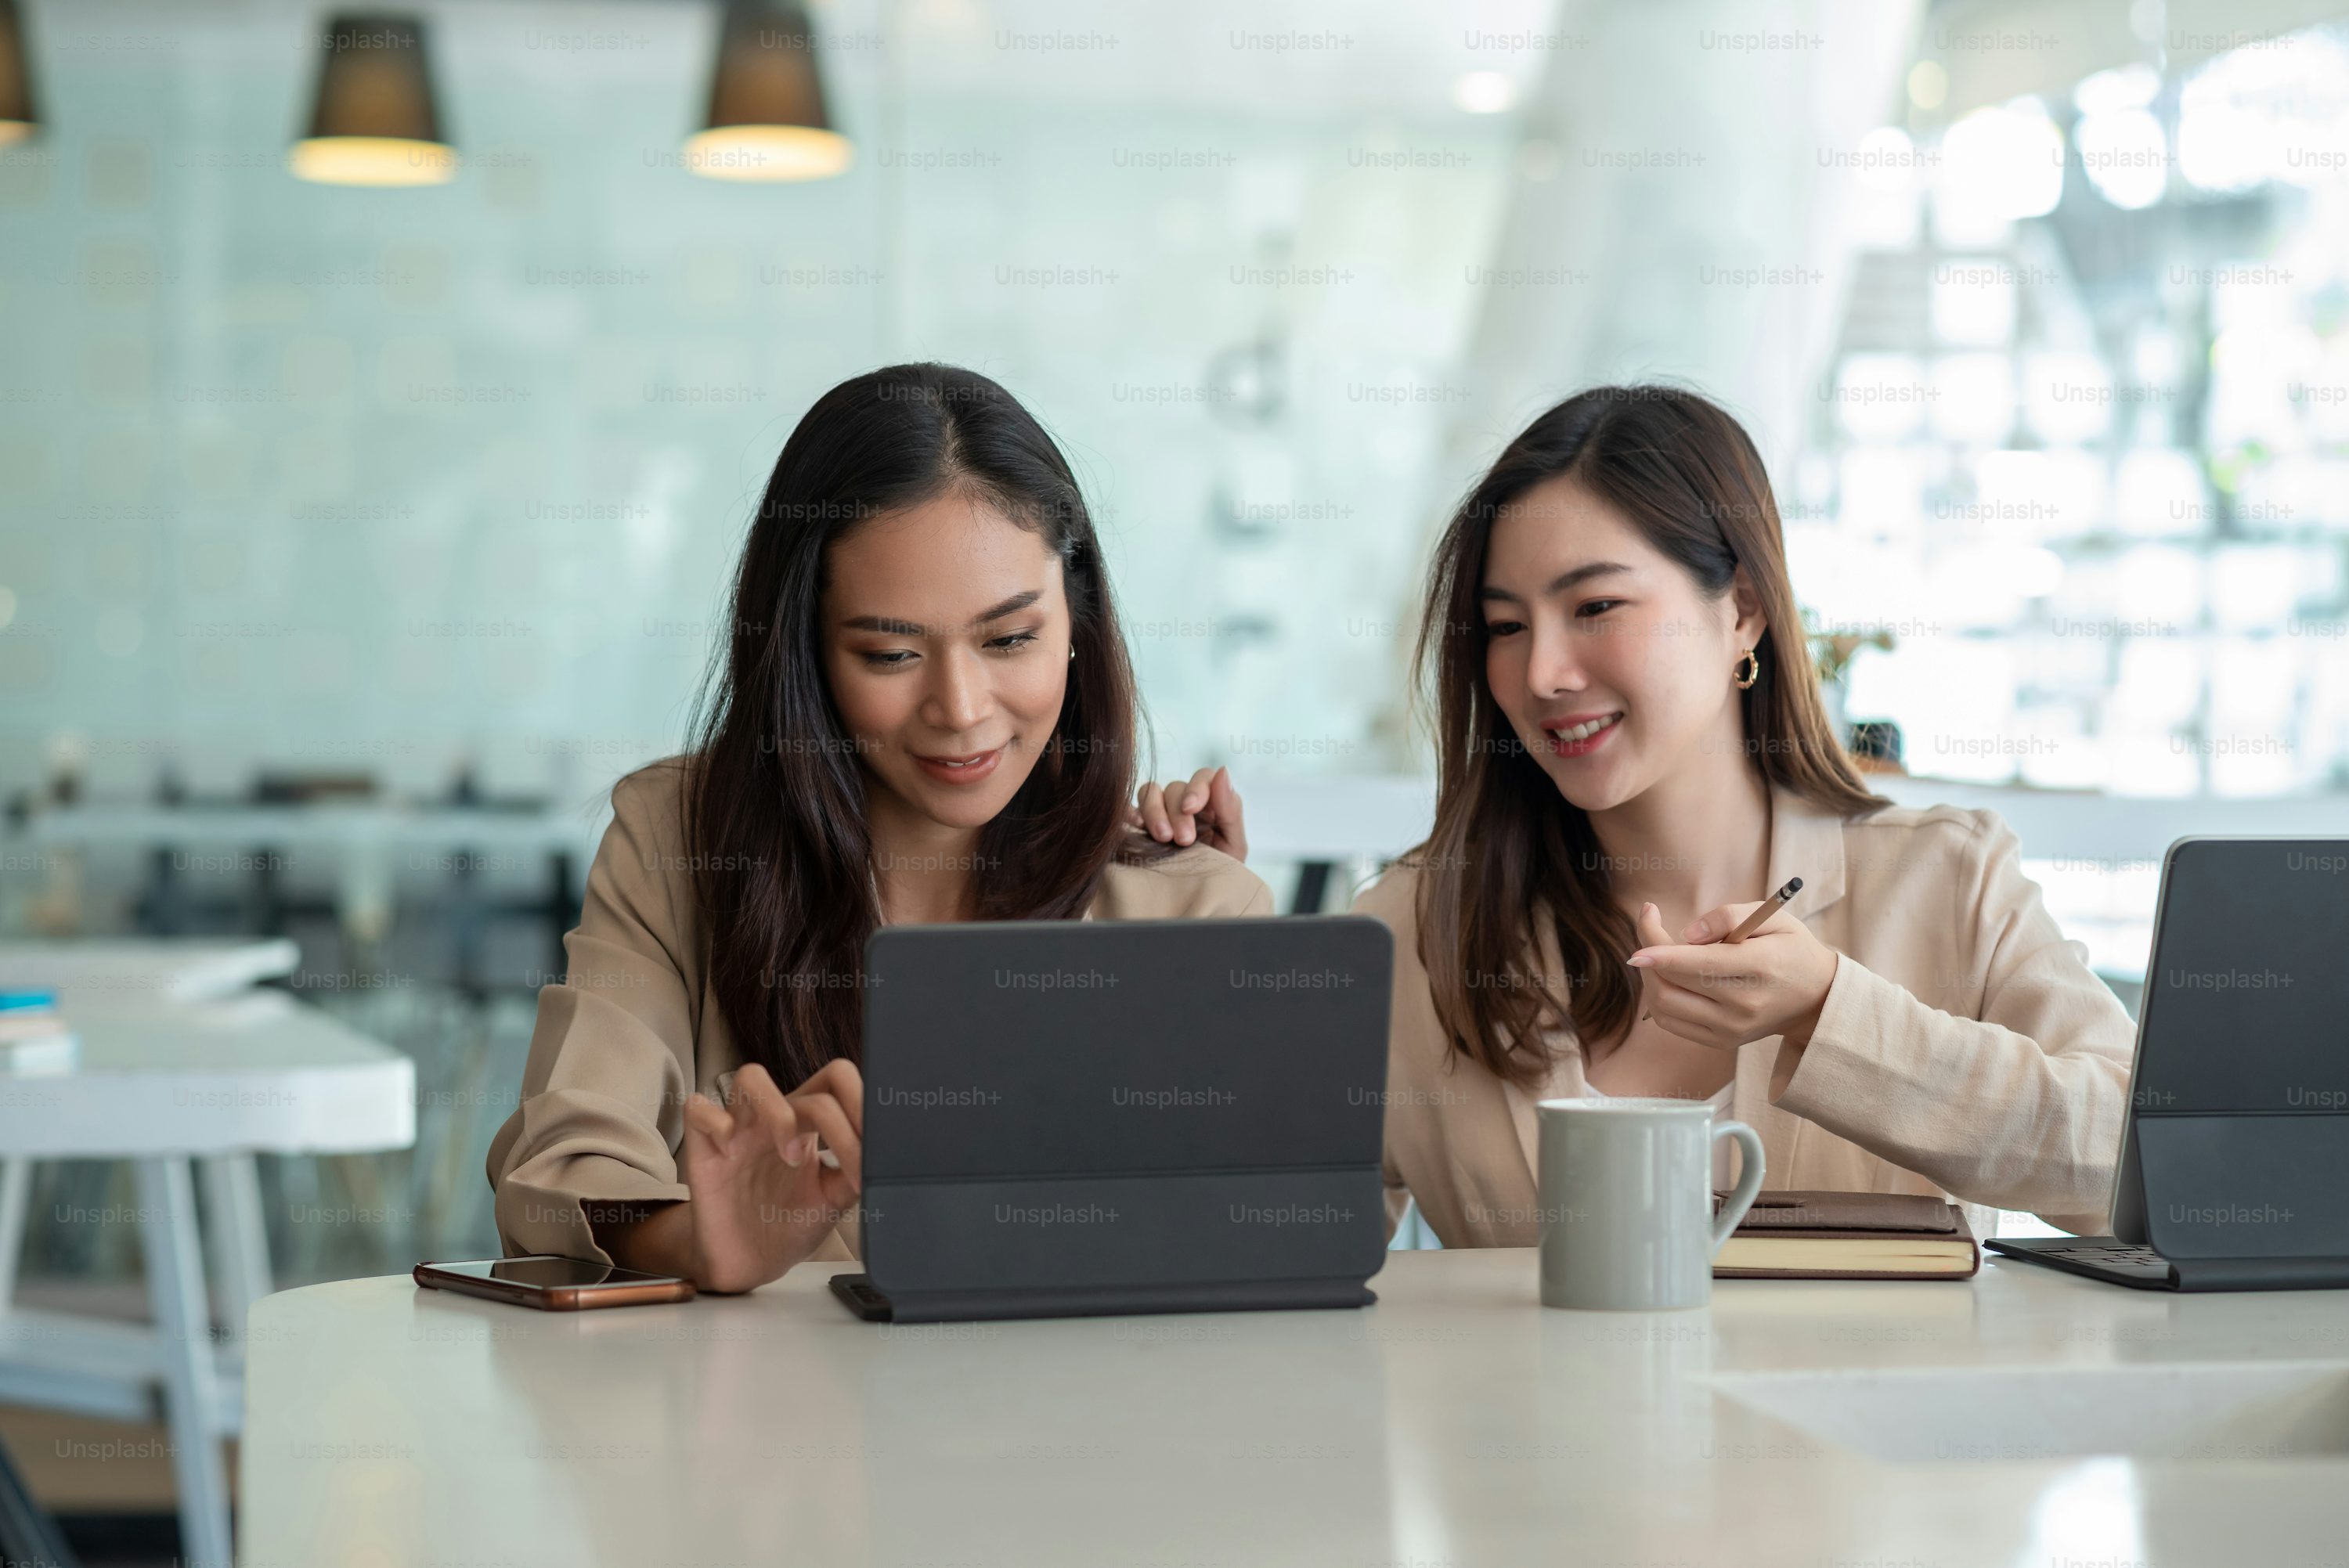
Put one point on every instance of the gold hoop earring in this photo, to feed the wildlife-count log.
(1753, 672)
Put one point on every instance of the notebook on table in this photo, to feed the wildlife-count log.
(1848, 1236)
(34, 1037)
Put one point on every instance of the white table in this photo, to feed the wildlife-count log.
(1379, 816)
(323, 827)
(363, 841)
(178, 1089)
(2026, 1418)
(112, 971)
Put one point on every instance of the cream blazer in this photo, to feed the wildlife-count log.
(1965, 1048)
(633, 1027)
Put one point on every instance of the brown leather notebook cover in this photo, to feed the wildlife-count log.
(1829, 1217)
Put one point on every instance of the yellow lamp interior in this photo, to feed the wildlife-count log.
(372, 160)
(768, 152)
(15, 131)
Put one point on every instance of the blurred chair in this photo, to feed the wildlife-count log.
(29, 1538)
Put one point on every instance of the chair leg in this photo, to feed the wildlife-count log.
(1312, 887)
(27, 1534)
(15, 1199)
(175, 1290)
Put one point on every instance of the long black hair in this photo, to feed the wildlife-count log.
(1509, 851)
(775, 796)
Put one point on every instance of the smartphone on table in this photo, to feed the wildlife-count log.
(552, 1284)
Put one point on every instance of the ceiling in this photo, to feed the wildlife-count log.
(1279, 58)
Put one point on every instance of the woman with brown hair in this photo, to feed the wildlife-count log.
(1633, 752)
(924, 713)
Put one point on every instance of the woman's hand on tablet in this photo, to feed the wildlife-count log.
(1722, 994)
(1204, 810)
(763, 1198)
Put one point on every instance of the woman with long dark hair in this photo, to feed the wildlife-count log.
(1632, 752)
(923, 712)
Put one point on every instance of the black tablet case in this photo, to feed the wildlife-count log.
(1074, 1117)
(2232, 1163)
(2237, 1136)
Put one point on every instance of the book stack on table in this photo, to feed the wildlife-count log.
(1848, 1236)
(34, 1037)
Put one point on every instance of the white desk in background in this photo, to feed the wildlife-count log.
(1378, 816)
(363, 839)
(1344, 828)
(330, 825)
(181, 1089)
(367, 847)
(109, 971)
(2023, 1418)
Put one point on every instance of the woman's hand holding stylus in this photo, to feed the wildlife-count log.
(764, 1194)
(1722, 994)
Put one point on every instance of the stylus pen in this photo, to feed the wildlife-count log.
(1762, 912)
(1765, 910)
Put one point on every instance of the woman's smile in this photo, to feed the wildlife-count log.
(968, 768)
(1579, 734)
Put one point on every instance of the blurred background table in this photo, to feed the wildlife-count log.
(189, 1093)
(108, 970)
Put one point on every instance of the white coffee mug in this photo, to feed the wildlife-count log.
(1625, 1187)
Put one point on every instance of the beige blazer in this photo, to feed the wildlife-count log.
(633, 1027)
(1965, 1048)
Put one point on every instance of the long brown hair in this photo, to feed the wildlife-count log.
(1508, 852)
(775, 791)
